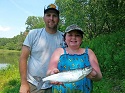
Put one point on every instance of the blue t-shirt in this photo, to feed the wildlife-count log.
(72, 62)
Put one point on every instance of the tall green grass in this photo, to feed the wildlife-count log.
(9, 79)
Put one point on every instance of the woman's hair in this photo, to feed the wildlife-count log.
(64, 37)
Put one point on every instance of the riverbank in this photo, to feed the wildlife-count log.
(9, 72)
(8, 57)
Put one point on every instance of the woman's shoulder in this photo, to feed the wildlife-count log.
(87, 50)
(59, 50)
(91, 52)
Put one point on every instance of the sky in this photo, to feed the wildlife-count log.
(14, 13)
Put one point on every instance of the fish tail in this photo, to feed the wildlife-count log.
(40, 83)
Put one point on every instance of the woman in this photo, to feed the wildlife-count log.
(73, 57)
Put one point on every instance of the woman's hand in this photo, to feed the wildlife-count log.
(92, 74)
(55, 71)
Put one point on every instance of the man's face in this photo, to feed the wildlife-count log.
(51, 19)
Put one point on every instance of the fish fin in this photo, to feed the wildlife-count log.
(40, 82)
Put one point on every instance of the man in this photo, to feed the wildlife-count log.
(37, 50)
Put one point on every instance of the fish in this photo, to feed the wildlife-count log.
(69, 76)
(66, 76)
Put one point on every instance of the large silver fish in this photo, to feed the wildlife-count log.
(67, 76)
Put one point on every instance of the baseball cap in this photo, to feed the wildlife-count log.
(51, 7)
(73, 27)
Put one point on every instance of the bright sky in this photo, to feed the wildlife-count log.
(13, 15)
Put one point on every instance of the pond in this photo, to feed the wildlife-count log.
(8, 58)
(3, 65)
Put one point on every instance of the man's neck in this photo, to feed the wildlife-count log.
(51, 30)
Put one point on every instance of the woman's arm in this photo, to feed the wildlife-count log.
(52, 68)
(96, 74)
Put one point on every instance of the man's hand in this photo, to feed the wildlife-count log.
(24, 88)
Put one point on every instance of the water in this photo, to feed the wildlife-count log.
(3, 65)
(8, 58)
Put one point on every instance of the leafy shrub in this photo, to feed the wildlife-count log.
(110, 51)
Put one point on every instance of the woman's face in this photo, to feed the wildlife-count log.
(73, 38)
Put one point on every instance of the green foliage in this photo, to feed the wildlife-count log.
(95, 17)
(107, 85)
(14, 43)
(11, 87)
(33, 22)
(110, 52)
(115, 13)
(9, 79)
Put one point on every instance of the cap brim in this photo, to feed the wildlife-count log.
(76, 30)
(45, 11)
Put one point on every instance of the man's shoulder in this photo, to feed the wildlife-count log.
(62, 33)
(36, 30)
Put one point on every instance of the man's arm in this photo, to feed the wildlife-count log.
(23, 69)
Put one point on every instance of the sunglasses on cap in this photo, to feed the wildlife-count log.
(51, 7)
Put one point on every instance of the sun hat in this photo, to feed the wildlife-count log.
(73, 27)
(51, 7)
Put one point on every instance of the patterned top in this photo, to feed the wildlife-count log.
(72, 62)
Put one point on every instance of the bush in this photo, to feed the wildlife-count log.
(110, 52)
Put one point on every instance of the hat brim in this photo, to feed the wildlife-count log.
(80, 31)
(45, 11)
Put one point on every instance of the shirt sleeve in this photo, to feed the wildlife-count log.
(30, 38)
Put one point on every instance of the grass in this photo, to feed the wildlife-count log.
(8, 51)
(107, 85)
(9, 79)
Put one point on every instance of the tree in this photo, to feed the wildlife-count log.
(33, 22)
(94, 16)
